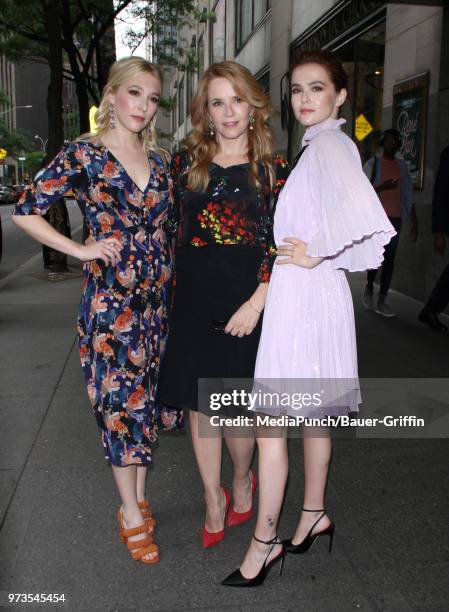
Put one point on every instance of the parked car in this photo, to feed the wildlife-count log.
(15, 193)
(6, 195)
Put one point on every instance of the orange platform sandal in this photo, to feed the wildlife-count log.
(140, 548)
(147, 513)
(150, 522)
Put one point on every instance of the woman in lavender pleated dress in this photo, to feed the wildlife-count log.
(328, 219)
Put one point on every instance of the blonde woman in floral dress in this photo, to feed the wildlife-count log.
(119, 179)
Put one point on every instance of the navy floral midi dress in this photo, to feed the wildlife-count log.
(122, 320)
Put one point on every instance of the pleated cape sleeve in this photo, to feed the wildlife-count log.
(353, 227)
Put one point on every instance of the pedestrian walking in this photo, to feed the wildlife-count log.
(328, 219)
(439, 297)
(223, 184)
(118, 176)
(391, 179)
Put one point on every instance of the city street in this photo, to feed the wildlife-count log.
(58, 531)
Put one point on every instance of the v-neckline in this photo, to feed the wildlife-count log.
(111, 154)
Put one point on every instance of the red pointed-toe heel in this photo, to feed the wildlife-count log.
(209, 538)
(236, 518)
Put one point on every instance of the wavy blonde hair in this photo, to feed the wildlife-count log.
(121, 71)
(202, 146)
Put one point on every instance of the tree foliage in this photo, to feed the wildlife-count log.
(75, 39)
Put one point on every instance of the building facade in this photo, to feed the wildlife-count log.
(393, 53)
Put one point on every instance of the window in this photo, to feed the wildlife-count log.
(264, 81)
(173, 116)
(189, 91)
(181, 107)
(191, 65)
(217, 34)
(201, 55)
(249, 13)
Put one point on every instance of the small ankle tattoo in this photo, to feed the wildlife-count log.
(270, 522)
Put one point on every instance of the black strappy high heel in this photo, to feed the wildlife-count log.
(236, 579)
(303, 547)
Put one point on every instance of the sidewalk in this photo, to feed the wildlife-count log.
(58, 503)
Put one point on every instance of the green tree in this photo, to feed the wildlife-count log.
(14, 142)
(67, 35)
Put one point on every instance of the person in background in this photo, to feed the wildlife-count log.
(58, 217)
(391, 179)
(439, 298)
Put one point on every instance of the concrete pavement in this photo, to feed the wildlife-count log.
(58, 502)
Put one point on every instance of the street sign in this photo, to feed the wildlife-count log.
(362, 127)
(21, 158)
(3, 153)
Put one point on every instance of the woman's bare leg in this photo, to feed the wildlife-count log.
(317, 456)
(273, 471)
(126, 481)
(207, 447)
(241, 442)
(141, 482)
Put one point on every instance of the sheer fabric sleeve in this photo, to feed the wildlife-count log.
(66, 171)
(282, 169)
(353, 227)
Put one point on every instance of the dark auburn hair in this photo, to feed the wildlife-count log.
(329, 62)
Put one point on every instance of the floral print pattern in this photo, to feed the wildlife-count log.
(122, 321)
(229, 211)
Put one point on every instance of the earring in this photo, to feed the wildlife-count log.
(112, 117)
(251, 123)
(211, 129)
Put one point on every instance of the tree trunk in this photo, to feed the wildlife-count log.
(57, 216)
(54, 95)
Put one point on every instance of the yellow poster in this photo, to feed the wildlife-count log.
(3, 153)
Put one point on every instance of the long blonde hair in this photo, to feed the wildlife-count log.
(202, 146)
(121, 71)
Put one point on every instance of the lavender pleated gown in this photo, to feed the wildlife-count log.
(308, 327)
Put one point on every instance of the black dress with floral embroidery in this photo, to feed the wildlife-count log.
(224, 249)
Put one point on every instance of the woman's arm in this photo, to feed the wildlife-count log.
(38, 228)
(295, 252)
(66, 171)
(245, 319)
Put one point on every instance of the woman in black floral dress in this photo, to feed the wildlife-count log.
(119, 178)
(223, 188)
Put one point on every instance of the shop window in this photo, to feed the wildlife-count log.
(249, 14)
(217, 34)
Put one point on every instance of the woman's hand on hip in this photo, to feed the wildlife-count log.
(294, 252)
(243, 321)
(107, 249)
